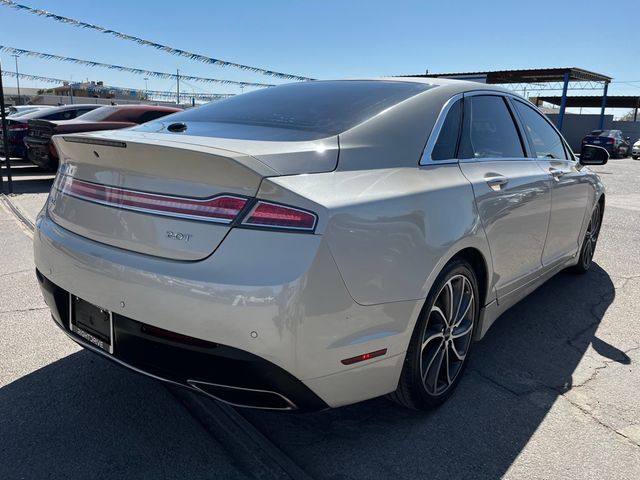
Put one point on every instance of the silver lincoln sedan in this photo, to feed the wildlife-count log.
(314, 244)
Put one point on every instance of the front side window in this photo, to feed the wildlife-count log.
(445, 147)
(488, 130)
(545, 140)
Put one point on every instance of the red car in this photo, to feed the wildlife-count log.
(40, 149)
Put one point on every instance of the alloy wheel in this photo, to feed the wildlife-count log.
(447, 335)
(591, 237)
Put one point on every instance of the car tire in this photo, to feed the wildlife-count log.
(590, 241)
(441, 341)
(635, 157)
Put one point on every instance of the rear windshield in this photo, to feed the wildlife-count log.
(606, 133)
(98, 114)
(34, 114)
(319, 108)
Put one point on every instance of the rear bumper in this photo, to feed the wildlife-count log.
(38, 151)
(280, 322)
(16, 149)
(226, 373)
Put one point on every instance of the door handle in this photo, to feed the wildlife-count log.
(495, 181)
(556, 173)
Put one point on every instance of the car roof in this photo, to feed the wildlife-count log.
(461, 85)
(143, 107)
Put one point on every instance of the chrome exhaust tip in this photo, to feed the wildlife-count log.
(244, 397)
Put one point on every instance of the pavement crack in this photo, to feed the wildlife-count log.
(600, 422)
(22, 310)
(504, 387)
(15, 273)
(604, 298)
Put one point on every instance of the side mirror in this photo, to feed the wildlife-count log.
(627, 139)
(593, 155)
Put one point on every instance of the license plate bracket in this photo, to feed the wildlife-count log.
(92, 323)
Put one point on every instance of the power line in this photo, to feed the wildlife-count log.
(137, 71)
(148, 43)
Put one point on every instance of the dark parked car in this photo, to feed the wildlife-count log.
(18, 124)
(613, 141)
(41, 151)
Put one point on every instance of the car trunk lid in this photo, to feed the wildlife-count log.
(149, 194)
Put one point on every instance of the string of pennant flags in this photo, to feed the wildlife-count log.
(156, 94)
(136, 71)
(148, 43)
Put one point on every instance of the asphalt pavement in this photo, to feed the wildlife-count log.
(551, 392)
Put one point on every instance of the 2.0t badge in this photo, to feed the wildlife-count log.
(185, 237)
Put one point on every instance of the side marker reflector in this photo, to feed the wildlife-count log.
(363, 357)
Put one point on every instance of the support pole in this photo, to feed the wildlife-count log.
(5, 140)
(563, 101)
(178, 87)
(18, 80)
(604, 105)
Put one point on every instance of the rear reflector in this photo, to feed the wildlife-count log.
(363, 357)
(223, 208)
(271, 215)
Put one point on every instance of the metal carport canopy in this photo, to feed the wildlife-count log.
(531, 75)
(536, 75)
(591, 101)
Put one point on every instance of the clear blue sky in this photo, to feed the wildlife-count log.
(329, 38)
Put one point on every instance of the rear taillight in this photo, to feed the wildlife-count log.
(272, 215)
(18, 127)
(224, 208)
(610, 141)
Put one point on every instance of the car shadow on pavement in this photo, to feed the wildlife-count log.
(84, 417)
(516, 373)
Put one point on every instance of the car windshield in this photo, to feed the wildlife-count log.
(321, 108)
(98, 115)
(32, 114)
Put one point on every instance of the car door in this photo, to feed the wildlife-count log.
(512, 191)
(571, 190)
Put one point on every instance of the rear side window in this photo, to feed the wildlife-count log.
(488, 130)
(99, 114)
(545, 140)
(445, 147)
(62, 115)
(317, 108)
(151, 115)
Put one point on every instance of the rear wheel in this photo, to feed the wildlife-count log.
(440, 344)
(590, 241)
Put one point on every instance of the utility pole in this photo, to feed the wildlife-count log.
(18, 79)
(5, 140)
(146, 88)
(177, 87)
(71, 90)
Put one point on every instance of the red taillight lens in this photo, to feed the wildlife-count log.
(272, 215)
(611, 140)
(18, 127)
(224, 208)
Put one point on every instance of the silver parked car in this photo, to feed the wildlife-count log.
(314, 244)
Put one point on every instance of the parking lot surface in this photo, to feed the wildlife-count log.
(551, 392)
